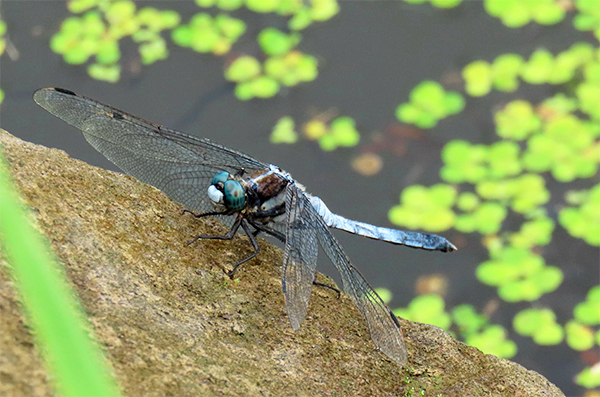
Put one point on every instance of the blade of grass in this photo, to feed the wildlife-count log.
(75, 361)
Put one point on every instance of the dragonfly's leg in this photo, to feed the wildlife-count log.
(254, 245)
(256, 231)
(266, 229)
(228, 236)
(318, 284)
(234, 228)
(184, 211)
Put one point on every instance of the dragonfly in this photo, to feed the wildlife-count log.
(209, 179)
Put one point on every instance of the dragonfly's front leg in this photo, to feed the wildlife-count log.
(184, 211)
(228, 236)
(239, 221)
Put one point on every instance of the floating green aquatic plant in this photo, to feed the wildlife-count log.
(438, 3)
(516, 13)
(302, 13)
(579, 336)
(536, 231)
(540, 324)
(428, 309)
(493, 340)
(306, 12)
(243, 68)
(519, 274)
(284, 131)
(339, 132)
(589, 377)
(467, 319)
(463, 162)
(582, 331)
(486, 219)
(473, 327)
(429, 103)
(94, 37)
(542, 67)
(264, 81)
(342, 132)
(96, 34)
(588, 311)
(225, 5)
(426, 208)
(566, 147)
(275, 43)
(523, 193)
(205, 33)
(583, 219)
(2, 32)
(292, 68)
(517, 121)
(588, 17)
(330, 134)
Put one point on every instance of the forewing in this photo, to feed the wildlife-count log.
(300, 254)
(383, 325)
(181, 166)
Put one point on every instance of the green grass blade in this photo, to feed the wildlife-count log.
(72, 357)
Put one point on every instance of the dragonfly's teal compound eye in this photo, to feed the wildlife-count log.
(220, 177)
(235, 198)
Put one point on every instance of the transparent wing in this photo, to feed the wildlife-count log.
(383, 325)
(300, 254)
(181, 166)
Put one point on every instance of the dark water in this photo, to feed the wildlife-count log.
(371, 55)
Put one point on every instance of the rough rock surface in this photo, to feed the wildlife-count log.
(172, 323)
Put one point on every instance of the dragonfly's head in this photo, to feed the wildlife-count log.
(227, 192)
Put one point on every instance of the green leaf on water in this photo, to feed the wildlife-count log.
(492, 340)
(427, 309)
(242, 69)
(540, 324)
(478, 78)
(588, 312)
(579, 336)
(517, 120)
(589, 377)
(284, 131)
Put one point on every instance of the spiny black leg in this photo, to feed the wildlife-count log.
(251, 236)
(239, 221)
(268, 230)
(228, 236)
(318, 284)
(183, 211)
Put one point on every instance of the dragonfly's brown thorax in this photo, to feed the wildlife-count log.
(265, 192)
